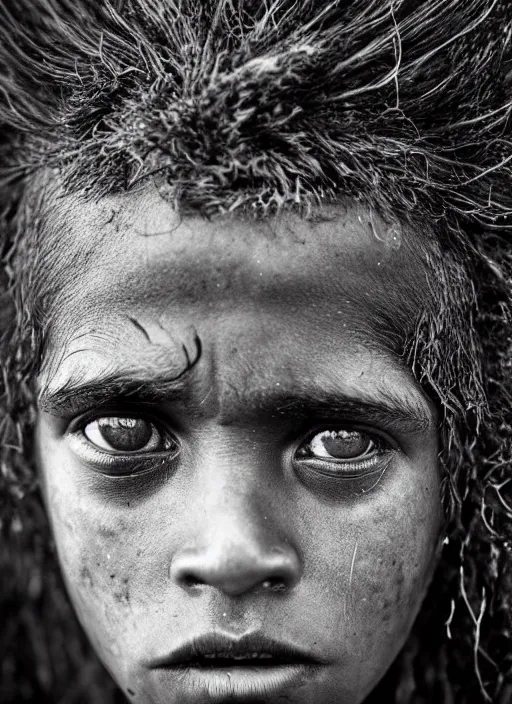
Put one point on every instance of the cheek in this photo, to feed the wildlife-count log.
(391, 573)
(100, 553)
(375, 559)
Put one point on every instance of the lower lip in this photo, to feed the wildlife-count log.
(238, 683)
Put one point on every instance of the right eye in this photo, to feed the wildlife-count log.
(124, 445)
(125, 435)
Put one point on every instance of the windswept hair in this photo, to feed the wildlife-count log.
(252, 107)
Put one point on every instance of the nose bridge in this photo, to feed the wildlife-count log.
(239, 492)
(239, 519)
(237, 483)
(239, 540)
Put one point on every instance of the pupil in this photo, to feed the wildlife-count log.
(342, 444)
(126, 434)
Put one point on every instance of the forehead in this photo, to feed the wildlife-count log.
(131, 278)
(136, 242)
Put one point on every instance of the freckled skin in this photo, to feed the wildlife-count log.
(298, 305)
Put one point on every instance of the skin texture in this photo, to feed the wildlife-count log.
(289, 327)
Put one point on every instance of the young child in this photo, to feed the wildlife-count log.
(255, 350)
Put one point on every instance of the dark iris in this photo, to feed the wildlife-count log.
(345, 444)
(125, 434)
(338, 444)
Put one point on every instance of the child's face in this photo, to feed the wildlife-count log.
(285, 488)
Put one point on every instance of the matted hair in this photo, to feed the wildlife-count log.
(252, 107)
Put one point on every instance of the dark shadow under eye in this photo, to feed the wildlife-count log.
(124, 434)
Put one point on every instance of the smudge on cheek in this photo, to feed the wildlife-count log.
(386, 578)
(395, 577)
(122, 592)
(103, 569)
(86, 578)
(95, 564)
(391, 601)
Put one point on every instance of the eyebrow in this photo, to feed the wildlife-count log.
(142, 386)
(400, 412)
(77, 396)
(387, 409)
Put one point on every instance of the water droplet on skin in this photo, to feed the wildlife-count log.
(16, 525)
(393, 236)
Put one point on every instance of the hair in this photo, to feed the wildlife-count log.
(253, 107)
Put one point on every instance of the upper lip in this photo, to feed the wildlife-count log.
(222, 646)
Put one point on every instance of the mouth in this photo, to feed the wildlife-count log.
(244, 667)
(212, 661)
(218, 651)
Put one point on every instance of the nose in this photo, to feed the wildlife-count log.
(243, 551)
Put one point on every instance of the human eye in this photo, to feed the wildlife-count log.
(344, 453)
(123, 444)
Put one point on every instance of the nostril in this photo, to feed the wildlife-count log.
(190, 581)
(274, 585)
(187, 578)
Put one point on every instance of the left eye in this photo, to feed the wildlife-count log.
(125, 435)
(342, 452)
(339, 446)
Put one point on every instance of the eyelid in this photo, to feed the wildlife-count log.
(124, 410)
(353, 470)
(123, 465)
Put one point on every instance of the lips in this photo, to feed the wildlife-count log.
(219, 667)
(219, 651)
